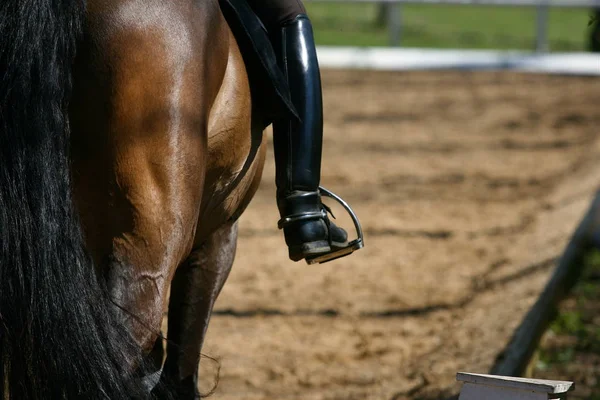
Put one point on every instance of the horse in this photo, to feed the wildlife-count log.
(128, 153)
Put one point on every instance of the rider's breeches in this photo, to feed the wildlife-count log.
(274, 13)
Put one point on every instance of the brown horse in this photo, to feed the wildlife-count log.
(163, 160)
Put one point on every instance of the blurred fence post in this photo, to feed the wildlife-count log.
(394, 23)
(382, 13)
(541, 34)
(594, 39)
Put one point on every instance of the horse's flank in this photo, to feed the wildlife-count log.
(236, 150)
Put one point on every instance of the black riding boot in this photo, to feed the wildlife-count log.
(304, 220)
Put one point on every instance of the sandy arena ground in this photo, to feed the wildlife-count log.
(468, 186)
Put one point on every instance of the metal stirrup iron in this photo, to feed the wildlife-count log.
(352, 246)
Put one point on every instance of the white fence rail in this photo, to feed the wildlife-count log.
(402, 59)
(394, 13)
(511, 3)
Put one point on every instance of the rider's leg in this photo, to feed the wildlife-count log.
(274, 13)
(307, 229)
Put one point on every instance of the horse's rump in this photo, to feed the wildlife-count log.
(156, 143)
(163, 157)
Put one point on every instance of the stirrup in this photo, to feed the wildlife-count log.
(354, 245)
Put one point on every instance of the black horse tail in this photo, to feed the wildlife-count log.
(58, 336)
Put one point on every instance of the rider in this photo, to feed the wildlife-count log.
(306, 226)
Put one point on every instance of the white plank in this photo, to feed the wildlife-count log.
(534, 385)
(472, 391)
(512, 3)
(402, 59)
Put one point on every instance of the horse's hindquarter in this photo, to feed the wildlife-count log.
(236, 151)
(149, 90)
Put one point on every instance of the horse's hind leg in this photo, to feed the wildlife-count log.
(148, 77)
(194, 290)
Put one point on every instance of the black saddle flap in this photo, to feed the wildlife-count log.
(270, 92)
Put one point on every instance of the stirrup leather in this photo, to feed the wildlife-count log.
(352, 246)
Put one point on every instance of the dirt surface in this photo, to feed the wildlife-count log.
(468, 186)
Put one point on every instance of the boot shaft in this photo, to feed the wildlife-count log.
(298, 145)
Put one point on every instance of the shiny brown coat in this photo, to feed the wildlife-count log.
(164, 160)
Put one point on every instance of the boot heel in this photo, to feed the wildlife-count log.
(299, 252)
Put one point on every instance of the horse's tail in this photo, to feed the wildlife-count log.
(58, 339)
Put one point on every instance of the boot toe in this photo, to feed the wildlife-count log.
(338, 235)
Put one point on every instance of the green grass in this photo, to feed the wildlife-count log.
(572, 349)
(449, 26)
(579, 320)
